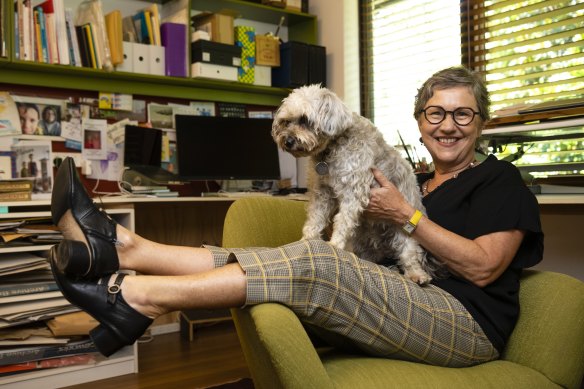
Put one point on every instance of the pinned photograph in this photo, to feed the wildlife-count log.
(33, 160)
(39, 116)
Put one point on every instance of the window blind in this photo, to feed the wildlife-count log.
(404, 43)
(530, 51)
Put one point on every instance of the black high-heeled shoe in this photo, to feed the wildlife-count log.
(120, 324)
(99, 257)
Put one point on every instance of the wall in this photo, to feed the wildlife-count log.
(338, 31)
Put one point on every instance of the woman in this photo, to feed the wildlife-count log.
(344, 299)
(50, 123)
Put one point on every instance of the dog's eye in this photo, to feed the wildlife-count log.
(303, 121)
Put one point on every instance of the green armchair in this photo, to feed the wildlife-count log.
(546, 349)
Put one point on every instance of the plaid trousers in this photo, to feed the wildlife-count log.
(371, 306)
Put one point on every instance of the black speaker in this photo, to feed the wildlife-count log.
(317, 65)
(293, 69)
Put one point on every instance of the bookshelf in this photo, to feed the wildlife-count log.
(123, 362)
(299, 26)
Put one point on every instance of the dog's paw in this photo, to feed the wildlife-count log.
(420, 277)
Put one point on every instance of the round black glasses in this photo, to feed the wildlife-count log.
(462, 116)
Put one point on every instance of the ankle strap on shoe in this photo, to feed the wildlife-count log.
(114, 289)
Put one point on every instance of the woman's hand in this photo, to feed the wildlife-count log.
(387, 203)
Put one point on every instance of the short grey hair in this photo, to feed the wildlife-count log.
(451, 78)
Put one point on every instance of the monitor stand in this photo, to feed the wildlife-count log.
(236, 185)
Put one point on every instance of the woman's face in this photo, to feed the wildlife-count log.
(451, 145)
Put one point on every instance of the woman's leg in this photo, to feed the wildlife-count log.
(145, 256)
(223, 287)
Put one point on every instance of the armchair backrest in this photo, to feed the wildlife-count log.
(263, 222)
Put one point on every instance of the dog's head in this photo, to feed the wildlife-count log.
(308, 119)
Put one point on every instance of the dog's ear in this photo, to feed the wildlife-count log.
(333, 115)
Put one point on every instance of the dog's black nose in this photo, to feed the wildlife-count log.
(290, 142)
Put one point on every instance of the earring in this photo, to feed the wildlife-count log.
(421, 141)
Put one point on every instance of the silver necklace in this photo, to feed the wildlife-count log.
(425, 190)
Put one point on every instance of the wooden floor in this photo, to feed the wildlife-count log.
(213, 358)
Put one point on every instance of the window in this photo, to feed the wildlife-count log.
(407, 41)
(529, 51)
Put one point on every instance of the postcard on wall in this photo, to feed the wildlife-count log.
(33, 160)
(94, 133)
(9, 120)
(204, 108)
(112, 167)
(71, 122)
(39, 116)
(160, 115)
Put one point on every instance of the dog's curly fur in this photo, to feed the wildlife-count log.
(313, 121)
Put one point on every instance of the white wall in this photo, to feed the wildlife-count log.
(338, 31)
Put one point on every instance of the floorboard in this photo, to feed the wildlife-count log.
(213, 358)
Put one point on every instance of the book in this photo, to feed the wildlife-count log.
(21, 288)
(14, 355)
(15, 185)
(73, 360)
(83, 46)
(16, 196)
(72, 38)
(51, 29)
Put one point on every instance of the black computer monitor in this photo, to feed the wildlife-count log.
(226, 148)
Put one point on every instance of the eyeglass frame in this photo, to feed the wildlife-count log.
(474, 113)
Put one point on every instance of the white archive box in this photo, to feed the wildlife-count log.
(263, 75)
(128, 64)
(141, 58)
(209, 70)
(157, 61)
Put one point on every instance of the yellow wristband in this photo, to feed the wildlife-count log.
(411, 224)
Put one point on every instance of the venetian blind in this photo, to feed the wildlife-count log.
(530, 51)
(404, 42)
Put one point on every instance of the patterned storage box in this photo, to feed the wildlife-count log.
(245, 38)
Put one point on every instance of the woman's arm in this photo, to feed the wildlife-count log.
(480, 261)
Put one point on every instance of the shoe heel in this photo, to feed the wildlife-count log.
(105, 340)
(73, 258)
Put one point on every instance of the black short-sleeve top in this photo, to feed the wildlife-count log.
(488, 198)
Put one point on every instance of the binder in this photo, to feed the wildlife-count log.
(174, 40)
(157, 60)
(217, 72)
(113, 25)
(140, 61)
(127, 64)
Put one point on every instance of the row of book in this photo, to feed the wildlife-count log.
(50, 33)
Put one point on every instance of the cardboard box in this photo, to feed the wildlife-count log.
(294, 5)
(275, 3)
(263, 75)
(267, 50)
(219, 26)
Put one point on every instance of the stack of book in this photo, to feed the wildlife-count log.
(16, 190)
(28, 297)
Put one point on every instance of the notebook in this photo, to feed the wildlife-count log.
(142, 153)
